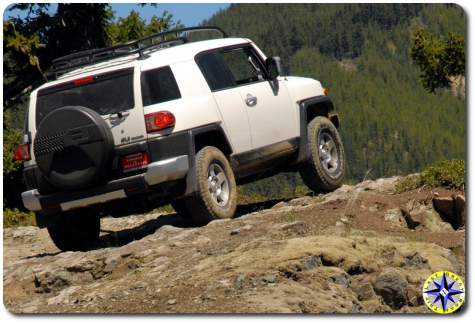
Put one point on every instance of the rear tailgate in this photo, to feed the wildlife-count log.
(114, 95)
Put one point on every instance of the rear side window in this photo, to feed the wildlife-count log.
(159, 85)
(106, 93)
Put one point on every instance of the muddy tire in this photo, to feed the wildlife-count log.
(76, 231)
(216, 196)
(324, 171)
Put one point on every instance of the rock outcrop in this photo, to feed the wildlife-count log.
(349, 251)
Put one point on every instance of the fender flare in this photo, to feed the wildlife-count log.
(191, 184)
(309, 108)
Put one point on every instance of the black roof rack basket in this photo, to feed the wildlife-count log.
(73, 61)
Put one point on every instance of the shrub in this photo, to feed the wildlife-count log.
(15, 217)
(447, 173)
(408, 183)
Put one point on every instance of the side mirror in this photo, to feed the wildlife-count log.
(273, 66)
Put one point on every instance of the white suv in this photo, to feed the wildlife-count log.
(163, 120)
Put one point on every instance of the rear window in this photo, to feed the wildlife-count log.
(159, 85)
(106, 93)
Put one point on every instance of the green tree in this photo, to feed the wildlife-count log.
(127, 29)
(161, 23)
(26, 45)
(31, 43)
(133, 27)
(441, 61)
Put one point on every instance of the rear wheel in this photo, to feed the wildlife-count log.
(76, 230)
(216, 197)
(325, 169)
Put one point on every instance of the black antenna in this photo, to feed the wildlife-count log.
(73, 61)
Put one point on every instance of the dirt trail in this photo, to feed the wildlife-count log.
(323, 254)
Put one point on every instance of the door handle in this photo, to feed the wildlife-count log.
(251, 100)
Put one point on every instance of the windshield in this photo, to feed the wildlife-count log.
(104, 93)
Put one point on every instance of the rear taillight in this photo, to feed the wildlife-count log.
(22, 152)
(134, 161)
(159, 120)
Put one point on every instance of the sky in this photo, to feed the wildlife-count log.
(190, 14)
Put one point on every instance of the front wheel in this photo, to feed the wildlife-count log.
(216, 197)
(76, 230)
(324, 171)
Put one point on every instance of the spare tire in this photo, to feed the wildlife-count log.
(73, 148)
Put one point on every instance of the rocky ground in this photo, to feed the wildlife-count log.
(361, 248)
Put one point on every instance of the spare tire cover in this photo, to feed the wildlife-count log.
(73, 147)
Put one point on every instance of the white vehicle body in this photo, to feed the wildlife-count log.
(247, 127)
(258, 118)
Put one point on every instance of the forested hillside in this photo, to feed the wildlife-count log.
(361, 52)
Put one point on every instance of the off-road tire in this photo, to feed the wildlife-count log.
(313, 172)
(201, 205)
(76, 231)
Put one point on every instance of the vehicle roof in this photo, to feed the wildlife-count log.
(168, 56)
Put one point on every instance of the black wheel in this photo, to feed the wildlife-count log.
(325, 169)
(76, 231)
(216, 197)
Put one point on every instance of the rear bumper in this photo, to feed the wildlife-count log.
(157, 172)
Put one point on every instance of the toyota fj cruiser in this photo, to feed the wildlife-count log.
(163, 120)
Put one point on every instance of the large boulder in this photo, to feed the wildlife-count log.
(392, 287)
(451, 209)
(381, 185)
(424, 217)
(444, 205)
